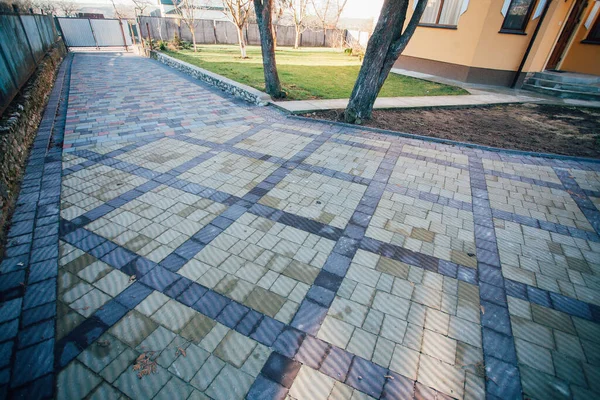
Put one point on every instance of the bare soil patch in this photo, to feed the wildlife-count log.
(573, 131)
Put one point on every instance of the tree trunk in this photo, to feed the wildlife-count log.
(267, 46)
(324, 35)
(192, 30)
(383, 49)
(297, 40)
(241, 41)
(274, 29)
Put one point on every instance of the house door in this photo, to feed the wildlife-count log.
(565, 36)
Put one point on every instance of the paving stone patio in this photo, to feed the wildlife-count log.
(170, 241)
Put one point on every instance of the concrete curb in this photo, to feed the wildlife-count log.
(429, 107)
(237, 89)
(451, 142)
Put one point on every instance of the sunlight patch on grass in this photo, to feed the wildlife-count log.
(305, 74)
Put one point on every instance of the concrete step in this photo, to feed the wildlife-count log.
(564, 94)
(568, 77)
(587, 88)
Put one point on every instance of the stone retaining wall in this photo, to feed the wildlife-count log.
(237, 89)
(18, 128)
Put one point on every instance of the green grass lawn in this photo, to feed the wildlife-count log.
(315, 73)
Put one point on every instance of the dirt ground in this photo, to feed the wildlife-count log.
(554, 129)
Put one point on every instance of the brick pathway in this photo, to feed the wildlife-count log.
(230, 251)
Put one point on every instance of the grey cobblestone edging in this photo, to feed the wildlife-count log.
(450, 142)
(239, 90)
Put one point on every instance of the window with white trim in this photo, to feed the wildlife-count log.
(442, 12)
(517, 16)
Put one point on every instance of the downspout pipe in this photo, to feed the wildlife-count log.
(531, 42)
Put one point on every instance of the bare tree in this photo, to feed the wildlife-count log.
(24, 6)
(117, 12)
(277, 13)
(238, 12)
(328, 12)
(263, 9)
(185, 10)
(68, 8)
(47, 7)
(139, 6)
(297, 9)
(384, 47)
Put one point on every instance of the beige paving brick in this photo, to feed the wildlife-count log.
(173, 315)
(234, 349)
(405, 361)
(335, 332)
(133, 328)
(362, 343)
(231, 383)
(532, 332)
(553, 319)
(207, 373)
(311, 384)
(439, 346)
(437, 321)
(441, 376)
(519, 308)
(569, 369)
(541, 385)
(534, 356)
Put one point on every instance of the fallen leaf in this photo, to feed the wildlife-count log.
(482, 309)
(20, 264)
(145, 364)
(181, 351)
(132, 278)
(388, 377)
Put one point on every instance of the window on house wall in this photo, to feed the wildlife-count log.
(594, 33)
(517, 16)
(442, 12)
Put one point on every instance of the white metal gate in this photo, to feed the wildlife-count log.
(86, 32)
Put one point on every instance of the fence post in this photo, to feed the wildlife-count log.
(93, 34)
(149, 37)
(215, 30)
(130, 25)
(123, 34)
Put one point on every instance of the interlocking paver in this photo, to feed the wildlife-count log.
(248, 253)
(264, 265)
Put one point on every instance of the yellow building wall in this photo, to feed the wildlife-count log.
(478, 43)
(456, 46)
(582, 57)
(501, 51)
(548, 35)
